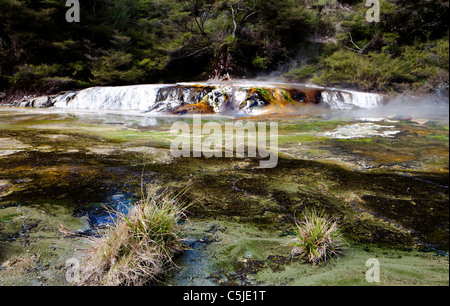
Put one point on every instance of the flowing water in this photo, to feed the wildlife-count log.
(238, 98)
(380, 164)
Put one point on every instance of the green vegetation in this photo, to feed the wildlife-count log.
(318, 238)
(140, 245)
(407, 50)
(148, 41)
(421, 66)
(393, 208)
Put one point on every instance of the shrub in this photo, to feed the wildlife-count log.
(261, 62)
(116, 68)
(421, 65)
(302, 73)
(318, 238)
(30, 77)
(140, 245)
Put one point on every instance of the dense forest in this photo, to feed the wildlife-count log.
(120, 42)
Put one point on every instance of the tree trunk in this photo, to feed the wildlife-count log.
(222, 66)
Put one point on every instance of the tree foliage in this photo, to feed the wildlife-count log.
(121, 42)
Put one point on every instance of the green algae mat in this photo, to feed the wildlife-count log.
(385, 180)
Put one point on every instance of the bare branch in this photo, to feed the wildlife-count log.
(351, 40)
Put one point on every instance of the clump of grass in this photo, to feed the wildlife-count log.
(318, 238)
(139, 246)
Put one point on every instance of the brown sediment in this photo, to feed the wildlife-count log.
(284, 97)
(280, 97)
(305, 95)
(312, 96)
(198, 108)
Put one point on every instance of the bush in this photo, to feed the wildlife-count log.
(302, 73)
(140, 245)
(260, 62)
(116, 68)
(415, 67)
(30, 77)
(318, 238)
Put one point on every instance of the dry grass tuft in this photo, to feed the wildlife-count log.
(140, 245)
(318, 238)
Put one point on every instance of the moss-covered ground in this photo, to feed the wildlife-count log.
(58, 171)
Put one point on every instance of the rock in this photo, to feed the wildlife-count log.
(41, 102)
(179, 95)
(218, 98)
(253, 101)
(38, 102)
(22, 103)
(2, 95)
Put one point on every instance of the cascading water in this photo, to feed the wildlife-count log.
(340, 99)
(139, 97)
(228, 97)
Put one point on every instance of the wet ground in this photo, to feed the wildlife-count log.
(385, 179)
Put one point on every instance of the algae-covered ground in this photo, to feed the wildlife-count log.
(385, 180)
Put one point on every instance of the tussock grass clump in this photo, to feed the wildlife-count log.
(139, 246)
(318, 238)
